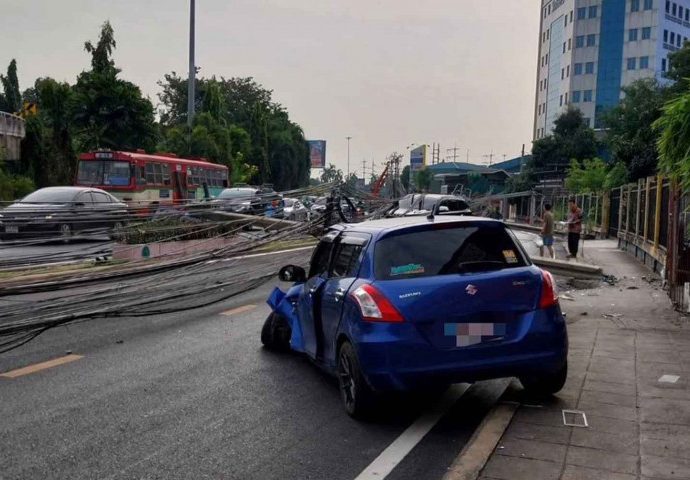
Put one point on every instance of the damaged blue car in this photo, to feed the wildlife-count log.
(408, 303)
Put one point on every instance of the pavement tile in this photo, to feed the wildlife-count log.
(539, 416)
(665, 440)
(665, 410)
(607, 410)
(532, 449)
(619, 388)
(665, 467)
(627, 375)
(664, 392)
(611, 425)
(606, 378)
(612, 442)
(609, 398)
(531, 431)
(511, 468)
(603, 460)
(573, 472)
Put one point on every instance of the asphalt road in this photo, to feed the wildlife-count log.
(191, 394)
(36, 252)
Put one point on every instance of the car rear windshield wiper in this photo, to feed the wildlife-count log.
(477, 265)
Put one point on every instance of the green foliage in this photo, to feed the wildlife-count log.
(48, 155)
(423, 179)
(13, 187)
(331, 174)
(572, 139)
(11, 100)
(674, 139)
(679, 70)
(262, 134)
(594, 176)
(586, 177)
(630, 136)
(109, 112)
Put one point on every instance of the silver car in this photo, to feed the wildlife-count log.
(295, 210)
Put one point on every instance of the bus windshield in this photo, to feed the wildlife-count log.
(103, 172)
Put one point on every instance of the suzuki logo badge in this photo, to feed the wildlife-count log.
(471, 290)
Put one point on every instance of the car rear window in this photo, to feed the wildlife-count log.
(447, 250)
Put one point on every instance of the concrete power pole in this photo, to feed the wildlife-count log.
(348, 156)
(192, 68)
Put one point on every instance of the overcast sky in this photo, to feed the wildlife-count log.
(389, 73)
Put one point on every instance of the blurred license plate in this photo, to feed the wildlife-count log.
(11, 229)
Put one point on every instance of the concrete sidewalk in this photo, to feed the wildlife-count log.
(623, 339)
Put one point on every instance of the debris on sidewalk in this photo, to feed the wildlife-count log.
(669, 379)
(610, 279)
(566, 296)
(612, 315)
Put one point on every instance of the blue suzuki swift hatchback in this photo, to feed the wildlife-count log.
(406, 303)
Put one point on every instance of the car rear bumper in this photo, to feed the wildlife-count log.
(397, 357)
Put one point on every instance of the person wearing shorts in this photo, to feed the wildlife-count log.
(547, 232)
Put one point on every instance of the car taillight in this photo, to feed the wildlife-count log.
(374, 306)
(549, 291)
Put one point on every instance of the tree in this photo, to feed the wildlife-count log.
(331, 174)
(109, 112)
(276, 146)
(630, 136)
(679, 70)
(551, 156)
(423, 179)
(586, 177)
(674, 140)
(11, 100)
(405, 177)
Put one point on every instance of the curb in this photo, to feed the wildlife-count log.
(471, 460)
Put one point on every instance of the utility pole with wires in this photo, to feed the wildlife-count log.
(364, 170)
(490, 157)
(191, 82)
(455, 155)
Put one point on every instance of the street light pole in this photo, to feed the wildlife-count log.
(192, 67)
(348, 156)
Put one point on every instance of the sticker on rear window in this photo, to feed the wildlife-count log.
(510, 256)
(411, 269)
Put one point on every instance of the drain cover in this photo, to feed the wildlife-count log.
(574, 418)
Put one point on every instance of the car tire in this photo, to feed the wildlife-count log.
(65, 232)
(546, 384)
(358, 398)
(276, 333)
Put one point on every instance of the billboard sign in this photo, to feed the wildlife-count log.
(317, 153)
(418, 158)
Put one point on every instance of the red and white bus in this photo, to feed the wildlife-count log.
(140, 178)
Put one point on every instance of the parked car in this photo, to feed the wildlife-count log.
(245, 200)
(294, 210)
(62, 211)
(398, 304)
(426, 203)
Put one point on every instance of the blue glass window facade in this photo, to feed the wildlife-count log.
(644, 63)
(578, 69)
(648, 4)
(646, 33)
(610, 68)
(589, 68)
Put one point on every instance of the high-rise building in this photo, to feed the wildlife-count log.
(589, 49)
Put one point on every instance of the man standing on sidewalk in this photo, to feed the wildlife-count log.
(574, 227)
(547, 232)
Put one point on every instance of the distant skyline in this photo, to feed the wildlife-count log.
(388, 73)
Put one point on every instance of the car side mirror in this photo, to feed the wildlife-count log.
(292, 273)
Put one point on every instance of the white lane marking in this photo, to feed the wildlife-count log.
(311, 247)
(384, 464)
